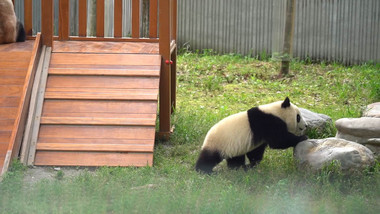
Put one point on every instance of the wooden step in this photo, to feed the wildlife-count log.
(106, 82)
(66, 158)
(90, 147)
(105, 72)
(73, 59)
(99, 121)
(101, 94)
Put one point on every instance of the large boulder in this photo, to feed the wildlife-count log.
(372, 110)
(316, 153)
(364, 130)
(314, 120)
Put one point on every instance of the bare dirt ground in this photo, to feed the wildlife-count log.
(35, 174)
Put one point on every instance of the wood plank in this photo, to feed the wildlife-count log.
(105, 47)
(97, 132)
(28, 17)
(10, 90)
(99, 114)
(100, 18)
(13, 72)
(8, 112)
(105, 59)
(47, 158)
(82, 18)
(98, 121)
(6, 124)
(102, 82)
(135, 18)
(5, 136)
(30, 124)
(6, 65)
(118, 16)
(12, 81)
(63, 33)
(93, 106)
(39, 102)
(47, 12)
(145, 142)
(153, 18)
(112, 67)
(90, 147)
(19, 125)
(101, 94)
(104, 72)
(9, 101)
(23, 56)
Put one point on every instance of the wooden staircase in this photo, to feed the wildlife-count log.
(99, 109)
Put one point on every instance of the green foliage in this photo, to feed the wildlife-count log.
(211, 87)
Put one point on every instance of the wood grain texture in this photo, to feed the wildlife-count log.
(118, 15)
(106, 47)
(93, 159)
(28, 17)
(63, 33)
(153, 8)
(99, 108)
(135, 18)
(82, 22)
(16, 73)
(47, 14)
(100, 18)
(104, 59)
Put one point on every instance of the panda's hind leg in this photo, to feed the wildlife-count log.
(207, 161)
(256, 155)
(236, 162)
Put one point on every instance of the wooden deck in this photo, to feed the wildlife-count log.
(100, 105)
(16, 75)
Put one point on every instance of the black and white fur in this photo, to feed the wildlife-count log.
(11, 30)
(279, 125)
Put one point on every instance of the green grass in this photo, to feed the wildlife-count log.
(211, 87)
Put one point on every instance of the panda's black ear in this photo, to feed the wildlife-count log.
(286, 103)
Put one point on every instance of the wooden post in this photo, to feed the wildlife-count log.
(28, 17)
(135, 18)
(82, 18)
(153, 18)
(173, 54)
(165, 78)
(47, 22)
(64, 14)
(118, 18)
(288, 37)
(99, 18)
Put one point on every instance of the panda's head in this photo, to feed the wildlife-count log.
(289, 113)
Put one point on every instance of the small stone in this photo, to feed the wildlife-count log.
(372, 110)
(316, 153)
(57, 168)
(315, 120)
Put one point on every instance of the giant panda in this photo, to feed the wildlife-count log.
(279, 125)
(11, 30)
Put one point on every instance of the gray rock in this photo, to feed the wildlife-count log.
(316, 153)
(315, 120)
(367, 127)
(372, 110)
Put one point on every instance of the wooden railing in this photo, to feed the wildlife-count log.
(164, 32)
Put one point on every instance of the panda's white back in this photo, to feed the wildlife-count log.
(231, 136)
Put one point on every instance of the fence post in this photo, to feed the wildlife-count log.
(165, 77)
(47, 8)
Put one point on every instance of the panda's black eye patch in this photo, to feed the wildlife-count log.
(298, 118)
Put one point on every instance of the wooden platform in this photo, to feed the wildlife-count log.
(100, 105)
(16, 75)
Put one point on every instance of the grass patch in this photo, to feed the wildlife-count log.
(211, 87)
